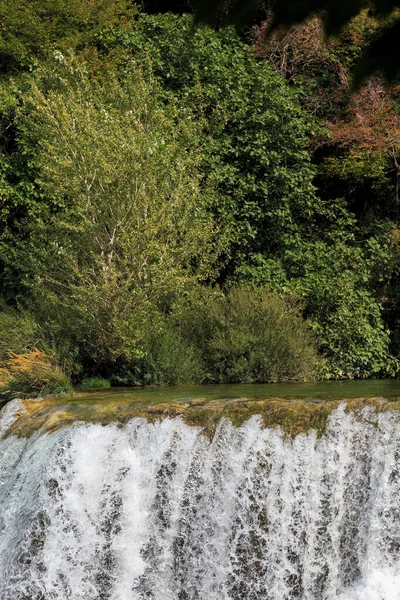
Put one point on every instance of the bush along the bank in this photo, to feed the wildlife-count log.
(169, 358)
(33, 374)
(249, 335)
(19, 332)
(245, 335)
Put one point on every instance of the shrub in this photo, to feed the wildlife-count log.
(170, 359)
(21, 331)
(343, 285)
(166, 358)
(31, 375)
(132, 218)
(18, 332)
(251, 335)
(95, 382)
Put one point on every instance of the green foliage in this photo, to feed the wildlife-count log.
(168, 359)
(333, 276)
(19, 332)
(347, 317)
(33, 28)
(179, 159)
(250, 335)
(132, 226)
(26, 371)
(95, 383)
(254, 134)
(346, 269)
(247, 335)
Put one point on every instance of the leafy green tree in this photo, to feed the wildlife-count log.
(254, 134)
(335, 282)
(134, 226)
(341, 275)
(34, 28)
(33, 31)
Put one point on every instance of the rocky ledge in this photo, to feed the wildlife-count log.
(292, 416)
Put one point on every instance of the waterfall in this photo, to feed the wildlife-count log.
(158, 511)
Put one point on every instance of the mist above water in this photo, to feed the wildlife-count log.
(160, 512)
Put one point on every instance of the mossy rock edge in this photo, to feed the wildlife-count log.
(291, 416)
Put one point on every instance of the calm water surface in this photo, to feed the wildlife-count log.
(326, 390)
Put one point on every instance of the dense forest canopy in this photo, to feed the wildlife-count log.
(191, 203)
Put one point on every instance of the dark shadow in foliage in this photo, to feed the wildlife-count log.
(382, 55)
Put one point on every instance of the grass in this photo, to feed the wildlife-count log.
(31, 375)
(95, 383)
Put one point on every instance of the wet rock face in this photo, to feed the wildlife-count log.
(154, 509)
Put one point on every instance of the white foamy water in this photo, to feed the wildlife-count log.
(8, 415)
(157, 511)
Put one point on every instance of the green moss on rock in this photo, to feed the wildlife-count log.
(291, 416)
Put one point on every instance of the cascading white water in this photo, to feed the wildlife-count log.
(157, 511)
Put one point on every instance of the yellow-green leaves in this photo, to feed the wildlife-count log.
(135, 222)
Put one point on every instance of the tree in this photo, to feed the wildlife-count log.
(354, 144)
(134, 226)
(382, 54)
(34, 28)
(319, 66)
(254, 133)
(369, 139)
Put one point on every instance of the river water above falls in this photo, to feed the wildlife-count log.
(154, 509)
